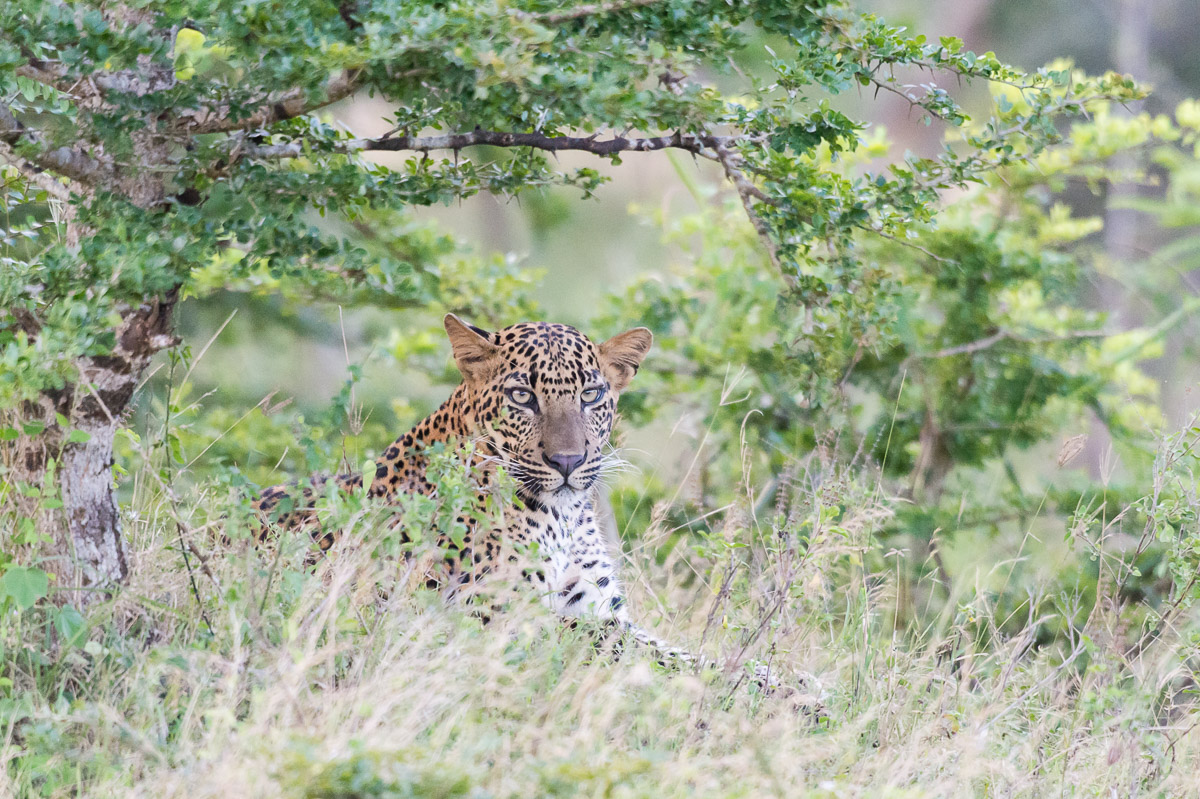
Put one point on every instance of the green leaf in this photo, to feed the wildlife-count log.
(25, 585)
(176, 448)
(70, 624)
(78, 437)
(951, 43)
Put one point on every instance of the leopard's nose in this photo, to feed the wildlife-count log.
(563, 463)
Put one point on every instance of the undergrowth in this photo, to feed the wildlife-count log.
(241, 672)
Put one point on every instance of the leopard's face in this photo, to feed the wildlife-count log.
(557, 409)
(545, 397)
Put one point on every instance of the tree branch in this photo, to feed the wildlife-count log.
(712, 147)
(42, 73)
(906, 243)
(66, 161)
(701, 145)
(579, 12)
(912, 100)
(43, 179)
(287, 105)
(141, 83)
(987, 342)
(748, 193)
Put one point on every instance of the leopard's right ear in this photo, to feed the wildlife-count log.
(621, 355)
(474, 353)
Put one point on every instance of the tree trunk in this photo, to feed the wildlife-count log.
(86, 551)
(93, 524)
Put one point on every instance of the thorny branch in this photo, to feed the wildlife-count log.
(987, 342)
(701, 145)
(712, 147)
(709, 146)
(748, 193)
(912, 100)
(286, 105)
(579, 12)
(66, 161)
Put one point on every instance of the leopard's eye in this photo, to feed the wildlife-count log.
(520, 396)
(592, 395)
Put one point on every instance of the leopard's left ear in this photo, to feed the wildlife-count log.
(621, 355)
(474, 352)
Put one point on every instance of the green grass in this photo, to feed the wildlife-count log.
(347, 682)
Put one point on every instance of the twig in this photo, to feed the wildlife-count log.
(203, 561)
(579, 12)
(906, 243)
(972, 347)
(913, 102)
(185, 547)
(66, 161)
(183, 544)
(286, 105)
(748, 193)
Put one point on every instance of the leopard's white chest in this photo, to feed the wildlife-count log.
(580, 576)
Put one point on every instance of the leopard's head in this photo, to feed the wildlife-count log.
(545, 397)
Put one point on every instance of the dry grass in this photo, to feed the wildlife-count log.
(316, 686)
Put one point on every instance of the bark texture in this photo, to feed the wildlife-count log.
(86, 550)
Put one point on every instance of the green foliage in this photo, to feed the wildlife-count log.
(366, 775)
(230, 217)
(960, 354)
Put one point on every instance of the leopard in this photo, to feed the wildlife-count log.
(537, 401)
